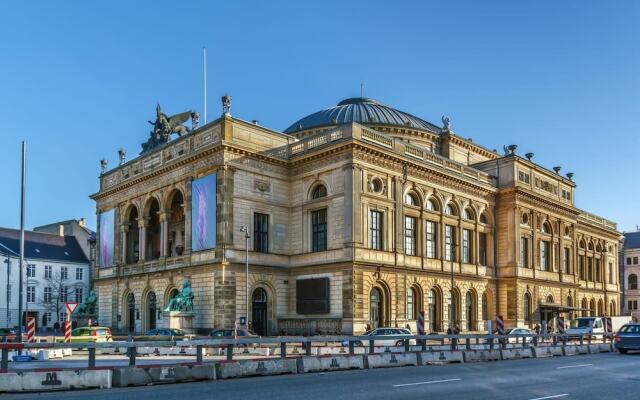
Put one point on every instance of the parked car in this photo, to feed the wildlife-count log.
(586, 326)
(7, 335)
(385, 342)
(164, 334)
(516, 335)
(627, 338)
(95, 334)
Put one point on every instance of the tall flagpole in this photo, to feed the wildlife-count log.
(24, 172)
(204, 71)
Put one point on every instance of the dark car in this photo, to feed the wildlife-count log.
(230, 334)
(628, 338)
(164, 334)
(7, 335)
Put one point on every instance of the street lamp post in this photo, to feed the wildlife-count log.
(245, 230)
(8, 261)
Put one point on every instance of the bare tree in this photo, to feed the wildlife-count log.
(61, 290)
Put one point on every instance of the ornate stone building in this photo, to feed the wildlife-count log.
(359, 215)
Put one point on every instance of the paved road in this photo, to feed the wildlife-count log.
(598, 376)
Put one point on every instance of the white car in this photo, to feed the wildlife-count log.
(385, 342)
(517, 334)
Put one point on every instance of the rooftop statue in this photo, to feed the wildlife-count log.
(164, 127)
(183, 300)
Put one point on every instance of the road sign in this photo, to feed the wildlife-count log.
(71, 307)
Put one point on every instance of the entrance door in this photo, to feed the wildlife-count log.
(376, 307)
(259, 312)
(152, 310)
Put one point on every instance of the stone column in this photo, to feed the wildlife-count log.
(124, 228)
(142, 238)
(164, 233)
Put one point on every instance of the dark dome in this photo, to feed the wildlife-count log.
(361, 110)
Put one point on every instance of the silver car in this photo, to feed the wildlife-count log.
(385, 332)
(517, 333)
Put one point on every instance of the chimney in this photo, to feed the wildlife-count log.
(82, 222)
(61, 230)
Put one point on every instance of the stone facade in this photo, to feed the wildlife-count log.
(410, 215)
(630, 261)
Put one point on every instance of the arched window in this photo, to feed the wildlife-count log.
(549, 299)
(411, 304)
(485, 307)
(612, 308)
(585, 310)
(600, 308)
(319, 191)
(483, 218)
(432, 205)
(454, 308)
(471, 311)
(376, 308)
(632, 282)
(546, 228)
(410, 199)
(592, 308)
(526, 306)
(450, 210)
(581, 244)
(590, 246)
(468, 214)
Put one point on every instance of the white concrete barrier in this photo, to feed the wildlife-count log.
(36, 381)
(548, 351)
(330, 363)
(595, 348)
(517, 353)
(437, 357)
(572, 350)
(482, 355)
(274, 366)
(391, 360)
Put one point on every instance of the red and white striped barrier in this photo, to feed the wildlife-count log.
(500, 324)
(609, 327)
(421, 323)
(67, 331)
(31, 329)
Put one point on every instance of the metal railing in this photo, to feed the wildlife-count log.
(424, 342)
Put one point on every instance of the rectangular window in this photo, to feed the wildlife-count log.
(47, 295)
(64, 273)
(31, 270)
(410, 235)
(598, 271)
(375, 229)
(431, 239)
(48, 314)
(482, 248)
(319, 230)
(47, 272)
(64, 294)
(545, 259)
(79, 294)
(581, 266)
(628, 260)
(590, 268)
(635, 260)
(31, 294)
(611, 273)
(524, 251)
(261, 233)
(523, 177)
(567, 259)
(449, 243)
(467, 246)
(63, 316)
(79, 274)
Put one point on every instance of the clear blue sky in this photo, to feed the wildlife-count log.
(79, 80)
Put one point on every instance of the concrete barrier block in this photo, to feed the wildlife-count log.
(130, 376)
(572, 350)
(275, 366)
(391, 359)
(547, 351)
(330, 363)
(517, 353)
(169, 374)
(203, 372)
(322, 351)
(482, 355)
(444, 356)
(599, 348)
(35, 381)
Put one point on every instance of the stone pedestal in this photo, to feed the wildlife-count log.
(180, 320)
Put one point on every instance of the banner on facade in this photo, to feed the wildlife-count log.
(203, 213)
(107, 238)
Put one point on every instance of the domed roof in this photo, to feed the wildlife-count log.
(361, 110)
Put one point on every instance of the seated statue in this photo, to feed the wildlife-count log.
(89, 305)
(183, 301)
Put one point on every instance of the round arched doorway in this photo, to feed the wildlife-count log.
(375, 301)
(259, 312)
(152, 310)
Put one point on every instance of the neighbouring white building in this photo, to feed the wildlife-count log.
(631, 264)
(56, 270)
